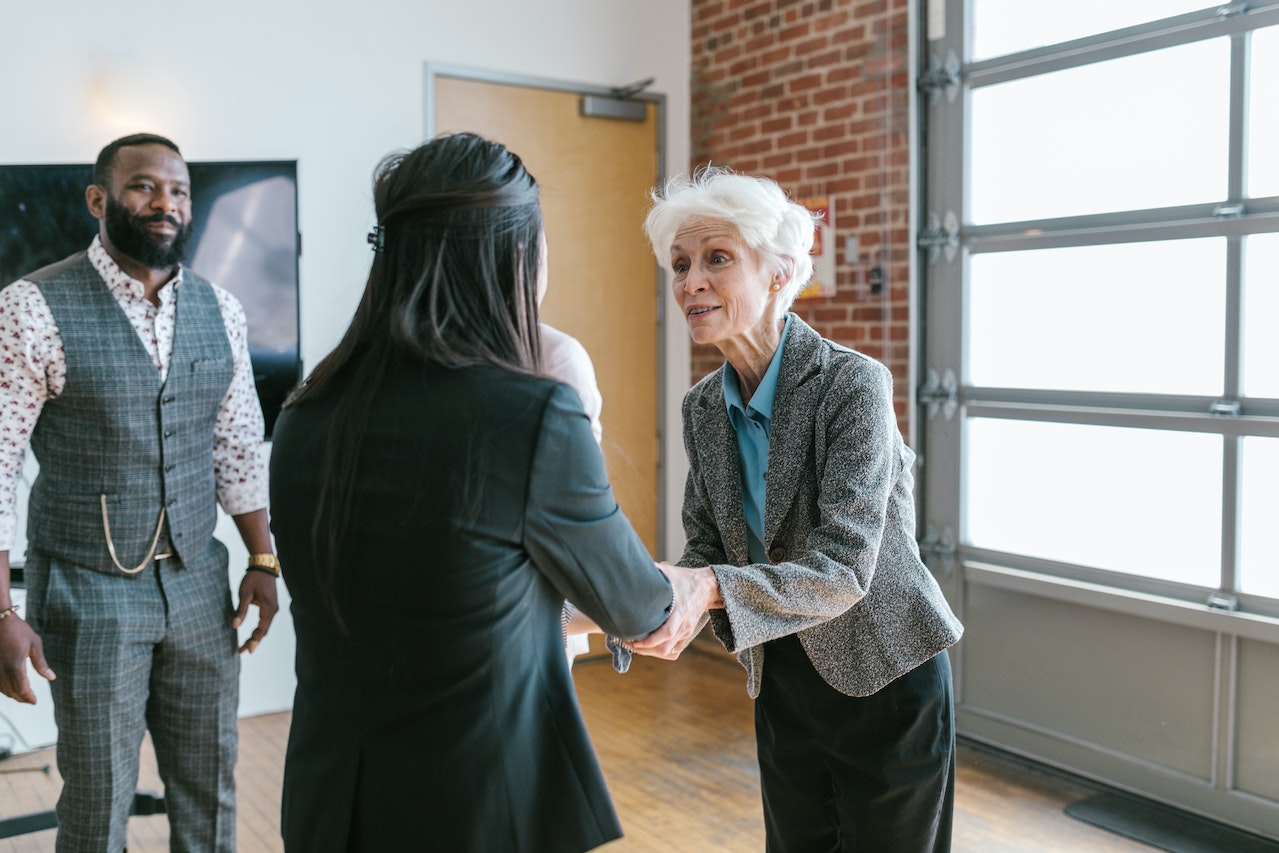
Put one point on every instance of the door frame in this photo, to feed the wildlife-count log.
(434, 70)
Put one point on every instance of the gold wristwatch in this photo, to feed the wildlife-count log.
(269, 562)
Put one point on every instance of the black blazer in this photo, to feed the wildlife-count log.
(446, 718)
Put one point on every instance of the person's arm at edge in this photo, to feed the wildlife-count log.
(241, 473)
(20, 644)
(580, 623)
(28, 355)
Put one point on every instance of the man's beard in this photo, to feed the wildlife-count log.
(129, 234)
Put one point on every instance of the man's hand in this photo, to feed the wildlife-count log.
(696, 591)
(18, 644)
(257, 588)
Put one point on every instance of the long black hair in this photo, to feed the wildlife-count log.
(455, 284)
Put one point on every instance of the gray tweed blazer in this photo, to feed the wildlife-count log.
(839, 523)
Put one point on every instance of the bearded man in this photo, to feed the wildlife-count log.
(129, 377)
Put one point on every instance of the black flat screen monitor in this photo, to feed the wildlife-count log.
(245, 238)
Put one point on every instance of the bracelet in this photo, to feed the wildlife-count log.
(11, 610)
(264, 570)
(265, 562)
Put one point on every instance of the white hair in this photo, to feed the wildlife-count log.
(778, 229)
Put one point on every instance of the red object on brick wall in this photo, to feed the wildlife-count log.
(815, 94)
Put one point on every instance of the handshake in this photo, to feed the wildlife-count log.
(694, 592)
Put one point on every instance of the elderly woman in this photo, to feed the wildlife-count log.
(799, 500)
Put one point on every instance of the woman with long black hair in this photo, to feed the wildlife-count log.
(435, 501)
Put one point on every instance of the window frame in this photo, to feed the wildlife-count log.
(944, 292)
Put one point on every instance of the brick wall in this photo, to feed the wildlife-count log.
(815, 94)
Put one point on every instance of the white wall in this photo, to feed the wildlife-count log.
(334, 86)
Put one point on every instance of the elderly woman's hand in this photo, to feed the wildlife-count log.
(696, 591)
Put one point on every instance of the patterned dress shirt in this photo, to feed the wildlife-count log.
(33, 370)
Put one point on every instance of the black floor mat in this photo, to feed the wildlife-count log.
(1166, 828)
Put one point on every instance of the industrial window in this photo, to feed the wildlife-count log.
(1100, 272)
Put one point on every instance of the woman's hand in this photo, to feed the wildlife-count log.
(696, 591)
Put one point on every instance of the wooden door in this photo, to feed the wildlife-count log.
(595, 175)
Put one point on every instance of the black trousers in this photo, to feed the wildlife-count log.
(870, 774)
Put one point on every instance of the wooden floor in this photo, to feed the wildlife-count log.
(676, 744)
(683, 774)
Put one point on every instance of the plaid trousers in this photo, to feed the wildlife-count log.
(155, 652)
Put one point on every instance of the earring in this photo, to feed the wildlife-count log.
(776, 287)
